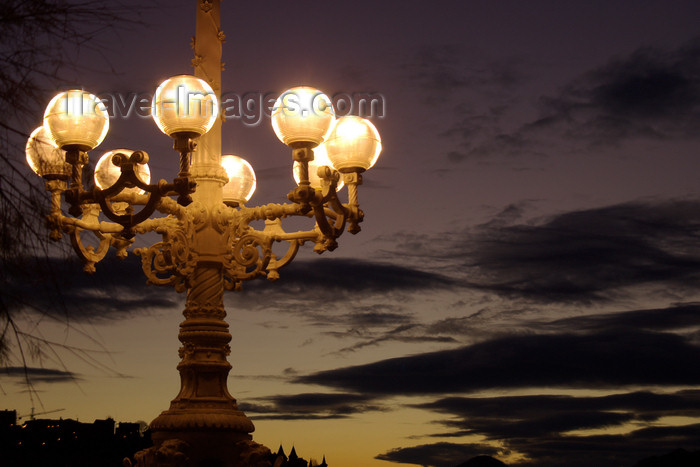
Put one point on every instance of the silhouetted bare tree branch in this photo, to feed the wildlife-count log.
(39, 41)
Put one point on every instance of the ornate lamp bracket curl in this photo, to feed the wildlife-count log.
(249, 258)
(172, 261)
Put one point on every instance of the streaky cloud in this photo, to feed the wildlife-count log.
(310, 406)
(118, 289)
(509, 417)
(603, 360)
(440, 454)
(43, 375)
(351, 275)
(678, 317)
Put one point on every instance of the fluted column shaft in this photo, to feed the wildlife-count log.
(204, 403)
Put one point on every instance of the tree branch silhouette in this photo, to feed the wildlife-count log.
(40, 41)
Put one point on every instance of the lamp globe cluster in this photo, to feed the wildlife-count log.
(304, 117)
(77, 120)
(185, 106)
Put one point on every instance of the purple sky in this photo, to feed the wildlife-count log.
(525, 284)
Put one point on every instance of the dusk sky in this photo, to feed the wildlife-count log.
(526, 282)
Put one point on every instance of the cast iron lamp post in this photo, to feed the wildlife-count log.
(208, 245)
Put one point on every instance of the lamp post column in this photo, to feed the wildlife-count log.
(203, 425)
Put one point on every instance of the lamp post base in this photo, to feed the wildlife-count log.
(206, 448)
(203, 426)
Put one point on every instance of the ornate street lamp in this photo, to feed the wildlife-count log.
(208, 244)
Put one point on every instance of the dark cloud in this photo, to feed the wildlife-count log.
(119, 288)
(325, 290)
(350, 275)
(374, 325)
(544, 415)
(39, 375)
(381, 331)
(309, 406)
(60, 289)
(605, 450)
(584, 255)
(480, 93)
(540, 427)
(406, 334)
(560, 450)
(366, 316)
(437, 454)
(362, 321)
(678, 317)
(651, 93)
(614, 351)
(442, 69)
(604, 360)
(579, 256)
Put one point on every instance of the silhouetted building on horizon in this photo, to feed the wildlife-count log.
(8, 418)
(68, 442)
(103, 443)
(280, 459)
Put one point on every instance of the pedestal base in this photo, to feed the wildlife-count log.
(204, 449)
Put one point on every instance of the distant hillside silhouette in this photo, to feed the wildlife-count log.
(483, 461)
(677, 458)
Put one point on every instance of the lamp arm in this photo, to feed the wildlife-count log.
(107, 233)
(130, 198)
(251, 250)
(69, 224)
(128, 178)
(270, 211)
(170, 206)
(158, 225)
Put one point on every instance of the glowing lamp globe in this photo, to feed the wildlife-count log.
(184, 104)
(76, 119)
(302, 116)
(320, 159)
(44, 157)
(107, 174)
(241, 179)
(353, 144)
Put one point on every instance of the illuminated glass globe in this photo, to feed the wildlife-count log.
(44, 157)
(353, 144)
(184, 104)
(107, 174)
(320, 159)
(241, 179)
(302, 116)
(76, 119)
